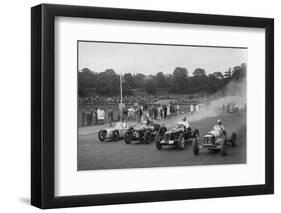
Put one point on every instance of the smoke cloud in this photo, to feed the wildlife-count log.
(234, 93)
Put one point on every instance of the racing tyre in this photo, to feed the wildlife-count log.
(233, 139)
(102, 135)
(157, 142)
(115, 136)
(181, 142)
(128, 137)
(223, 149)
(195, 146)
(147, 137)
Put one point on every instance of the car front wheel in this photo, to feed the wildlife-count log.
(102, 135)
(233, 139)
(181, 142)
(115, 135)
(128, 137)
(157, 141)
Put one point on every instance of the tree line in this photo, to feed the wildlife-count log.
(107, 83)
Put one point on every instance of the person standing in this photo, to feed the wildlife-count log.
(223, 107)
(102, 116)
(83, 118)
(159, 112)
(140, 113)
(191, 109)
(125, 113)
(151, 111)
(155, 113)
(197, 108)
(110, 116)
(177, 109)
(91, 117)
(99, 116)
(162, 112)
(88, 118)
(96, 115)
(168, 111)
(165, 112)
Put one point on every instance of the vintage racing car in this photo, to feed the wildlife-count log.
(232, 108)
(214, 140)
(144, 132)
(113, 133)
(177, 136)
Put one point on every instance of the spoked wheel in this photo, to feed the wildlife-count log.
(195, 146)
(115, 135)
(147, 137)
(233, 139)
(157, 141)
(102, 135)
(181, 142)
(128, 137)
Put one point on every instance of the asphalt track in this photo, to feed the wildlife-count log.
(93, 154)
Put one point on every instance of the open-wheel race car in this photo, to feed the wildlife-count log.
(145, 133)
(177, 136)
(232, 108)
(113, 133)
(216, 139)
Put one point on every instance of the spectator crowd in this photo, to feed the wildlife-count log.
(134, 112)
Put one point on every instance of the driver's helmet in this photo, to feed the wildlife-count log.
(144, 121)
(124, 125)
(219, 122)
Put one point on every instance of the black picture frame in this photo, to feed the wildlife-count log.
(43, 105)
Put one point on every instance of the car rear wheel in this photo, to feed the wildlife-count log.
(181, 142)
(157, 141)
(128, 137)
(195, 146)
(115, 135)
(233, 139)
(147, 137)
(102, 135)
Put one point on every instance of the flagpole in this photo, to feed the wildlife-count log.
(121, 98)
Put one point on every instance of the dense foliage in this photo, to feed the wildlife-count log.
(107, 83)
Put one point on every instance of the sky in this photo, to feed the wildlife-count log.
(151, 59)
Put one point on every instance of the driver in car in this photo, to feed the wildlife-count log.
(183, 123)
(145, 120)
(219, 127)
(121, 125)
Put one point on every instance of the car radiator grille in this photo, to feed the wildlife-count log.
(208, 141)
(167, 137)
